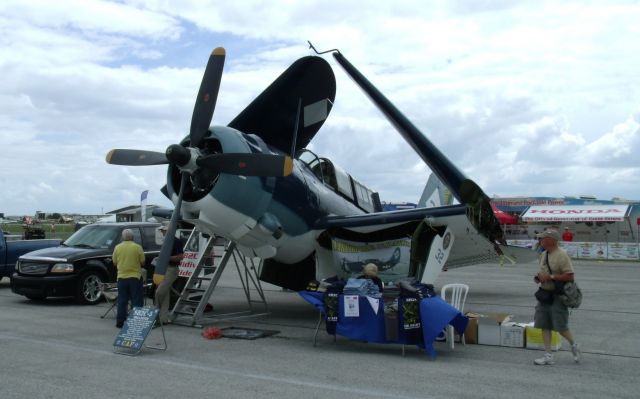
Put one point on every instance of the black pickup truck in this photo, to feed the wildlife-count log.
(81, 263)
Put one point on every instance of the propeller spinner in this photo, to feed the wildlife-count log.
(189, 160)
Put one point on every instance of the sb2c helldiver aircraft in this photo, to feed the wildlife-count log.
(254, 183)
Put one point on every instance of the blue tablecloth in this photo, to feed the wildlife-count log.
(369, 326)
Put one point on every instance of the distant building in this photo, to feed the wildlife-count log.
(132, 213)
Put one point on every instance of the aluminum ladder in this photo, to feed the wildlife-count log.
(191, 304)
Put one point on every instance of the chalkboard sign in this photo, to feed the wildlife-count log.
(136, 329)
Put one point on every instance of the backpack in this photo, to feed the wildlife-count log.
(571, 295)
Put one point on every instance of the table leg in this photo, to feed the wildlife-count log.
(315, 336)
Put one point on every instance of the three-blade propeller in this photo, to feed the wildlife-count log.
(246, 164)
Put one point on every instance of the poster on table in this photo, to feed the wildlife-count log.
(623, 250)
(592, 250)
(391, 257)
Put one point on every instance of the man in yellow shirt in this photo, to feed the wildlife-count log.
(128, 258)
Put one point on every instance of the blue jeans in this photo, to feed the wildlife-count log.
(128, 289)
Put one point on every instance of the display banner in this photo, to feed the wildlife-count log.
(391, 257)
(576, 213)
(623, 250)
(570, 247)
(592, 250)
(526, 243)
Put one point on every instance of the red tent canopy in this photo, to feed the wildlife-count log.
(503, 217)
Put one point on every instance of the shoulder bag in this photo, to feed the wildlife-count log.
(568, 292)
(544, 296)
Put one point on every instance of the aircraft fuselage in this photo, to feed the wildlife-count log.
(267, 217)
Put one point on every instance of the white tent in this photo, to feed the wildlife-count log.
(576, 213)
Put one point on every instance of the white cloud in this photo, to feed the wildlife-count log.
(93, 17)
(527, 99)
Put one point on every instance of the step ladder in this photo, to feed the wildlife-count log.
(191, 304)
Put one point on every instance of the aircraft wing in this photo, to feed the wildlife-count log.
(463, 188)
(426, 223)
(383, 220)
(310, 83)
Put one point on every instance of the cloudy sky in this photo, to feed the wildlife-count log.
(527, 98)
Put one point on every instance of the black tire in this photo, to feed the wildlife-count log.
(36, 297)
(88, 290)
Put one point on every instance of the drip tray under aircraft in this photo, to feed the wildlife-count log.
(247, 333)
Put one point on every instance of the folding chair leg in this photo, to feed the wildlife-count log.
(450, 336)
(108, 310)
(315, 336)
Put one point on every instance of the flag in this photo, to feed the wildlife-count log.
(143, 205)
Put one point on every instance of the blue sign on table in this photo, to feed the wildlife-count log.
(136, 328)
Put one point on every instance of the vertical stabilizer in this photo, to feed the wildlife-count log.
(435, 194)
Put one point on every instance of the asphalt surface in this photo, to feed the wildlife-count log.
(57, 349)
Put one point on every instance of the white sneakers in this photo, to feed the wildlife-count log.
(546, 359)
(577, 355)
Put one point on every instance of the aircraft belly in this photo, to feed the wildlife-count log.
(297, 247)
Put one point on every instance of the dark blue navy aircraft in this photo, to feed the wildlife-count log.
(255, 183)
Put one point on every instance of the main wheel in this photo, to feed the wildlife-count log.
(88, 290)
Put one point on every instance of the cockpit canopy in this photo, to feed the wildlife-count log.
(341, 182)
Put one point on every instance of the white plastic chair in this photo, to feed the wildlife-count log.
(458, 295)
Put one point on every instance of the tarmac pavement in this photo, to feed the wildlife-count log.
(57, 349)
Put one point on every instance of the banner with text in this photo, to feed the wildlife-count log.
(391, 256)
(576, 213)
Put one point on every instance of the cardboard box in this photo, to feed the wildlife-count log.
(534, 338)
(512, 334)
(489, 327)
(471, 333)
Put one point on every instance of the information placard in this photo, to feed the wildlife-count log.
(136, 329)
(625, 250)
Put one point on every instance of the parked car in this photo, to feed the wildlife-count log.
(81, 263)
(12, 247)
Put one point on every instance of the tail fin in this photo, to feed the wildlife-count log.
(435, 194)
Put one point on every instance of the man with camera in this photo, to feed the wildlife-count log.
(551, 313)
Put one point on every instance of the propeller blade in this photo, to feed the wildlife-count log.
(136, 157)
(207, 96)
(170, 236)
(248, 164)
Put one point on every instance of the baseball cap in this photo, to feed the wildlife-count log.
(549, 233)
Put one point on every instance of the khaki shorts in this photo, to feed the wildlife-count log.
(552, 317)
